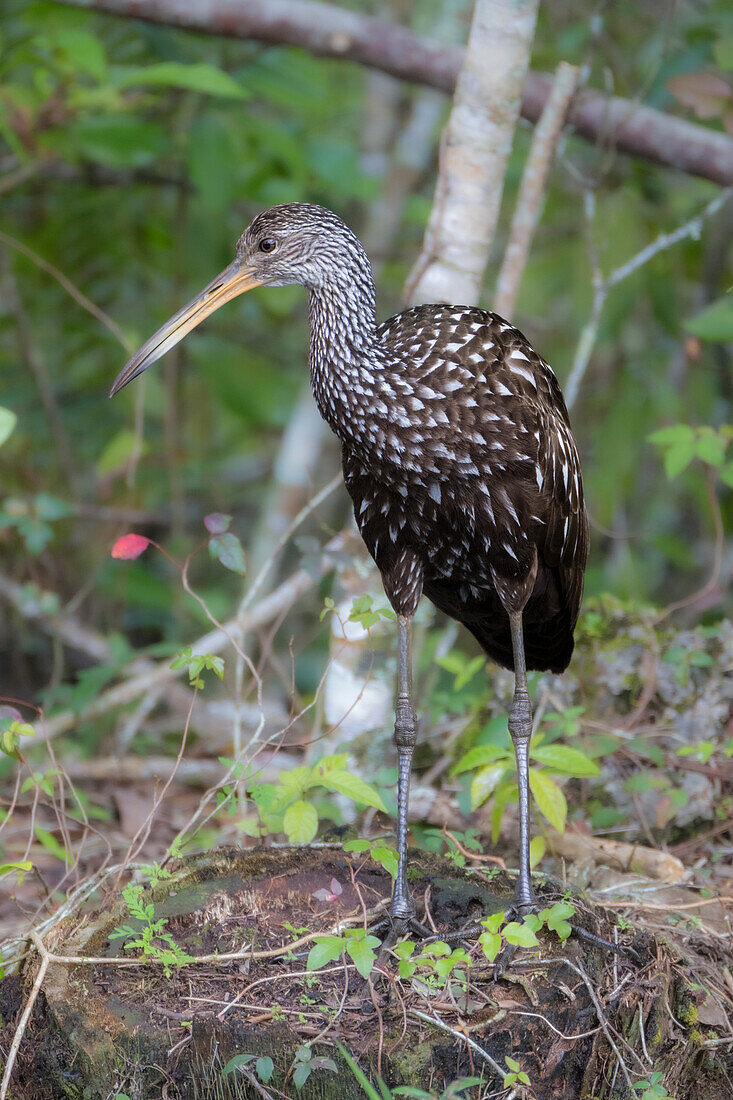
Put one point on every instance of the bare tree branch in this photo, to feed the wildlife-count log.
(475, 148)
(532, 191)
(215, 641)
(329, 31)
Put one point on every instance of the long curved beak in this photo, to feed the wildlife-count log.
(232, 281)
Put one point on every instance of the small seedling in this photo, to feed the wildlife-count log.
(516, 1074)
(356, 942)
(305, 1064)
(149, 938)
(653, 1089)
(264, 1066)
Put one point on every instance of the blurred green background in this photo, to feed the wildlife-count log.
(131, 158)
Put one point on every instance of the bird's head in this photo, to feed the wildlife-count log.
(291, 243)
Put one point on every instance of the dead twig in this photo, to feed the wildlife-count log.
(602, 285)
(46, 959)
(533, 187)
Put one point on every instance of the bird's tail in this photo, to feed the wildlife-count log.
(548, 646)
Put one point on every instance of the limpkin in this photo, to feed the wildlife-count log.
(457, 454)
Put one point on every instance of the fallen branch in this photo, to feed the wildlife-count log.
(329, 31)
(615, 853)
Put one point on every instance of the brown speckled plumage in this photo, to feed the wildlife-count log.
(458, 457)
(456, 448)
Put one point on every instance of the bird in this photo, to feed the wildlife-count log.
(458, 456)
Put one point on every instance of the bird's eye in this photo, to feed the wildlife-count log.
(268, 244)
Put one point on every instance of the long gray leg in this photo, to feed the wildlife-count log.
(520, 728)
(405, 736)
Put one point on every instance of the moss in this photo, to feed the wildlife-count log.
(687, 1013)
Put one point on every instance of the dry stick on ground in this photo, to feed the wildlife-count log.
(602, 285)
(330, 31)
(475, 148)
(532, 190)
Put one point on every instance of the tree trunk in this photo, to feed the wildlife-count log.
(475, 149)
(101, 1031)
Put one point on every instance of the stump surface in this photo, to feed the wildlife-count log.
(100, 1030)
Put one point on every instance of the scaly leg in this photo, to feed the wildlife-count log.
(405, 736)
(520, 728)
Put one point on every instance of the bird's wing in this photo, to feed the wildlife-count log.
(559, 478)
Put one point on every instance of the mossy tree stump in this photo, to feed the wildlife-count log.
(101, 1030)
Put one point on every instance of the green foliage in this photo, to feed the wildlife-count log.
(524, 933)
(32, 518)
(682, 443)
(149, 936)
(11, 731)
(653, 1088)
(196, 663)
(305, 1064)
(282, 806)
(8, 420)
(357, 943)
(495, 771)
(516, 1074)
(19, 868)
(454, 1091)
(385, 855)
(264, 1066)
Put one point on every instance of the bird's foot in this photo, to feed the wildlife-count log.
(399, 922)
(520, 909)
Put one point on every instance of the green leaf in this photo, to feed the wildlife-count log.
(519, 934)
(50, 843)
(494, 921)
(353, 787)
(549, 798)
(480, 755)
(118, 451)
(264, 1068)
(361, 950)
(235, 1062)
(537, 846)
(723, 53)
(326, 949)
(8, 420)
(484, 783)
(198, 77)
(715, 322)
(228, 550)
(361, 1077)
(566, 760)
(119, 141)
(711, 447)
(20, 868)
(301, 1073)
(490, 944)
(301, 822)
(84, 51)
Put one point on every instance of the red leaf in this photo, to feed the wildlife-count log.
(216, 523)
(129, 547)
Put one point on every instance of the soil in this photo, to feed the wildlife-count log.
(104, 1031)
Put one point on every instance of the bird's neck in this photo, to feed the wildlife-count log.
(343, 341)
